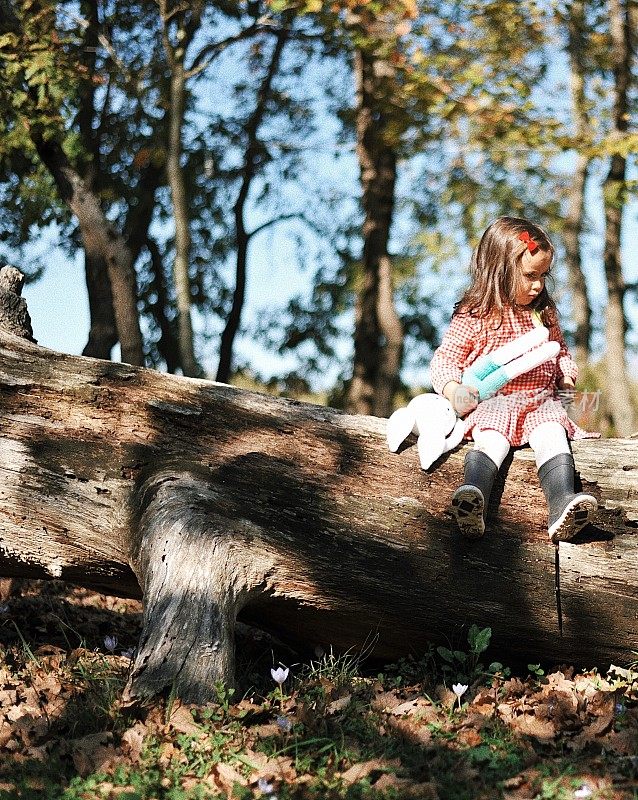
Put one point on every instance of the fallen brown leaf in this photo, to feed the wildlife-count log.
(91, 752)
(338, 705)
(484, 702)
(181, 719)
(410, 730)
(266, 731)
(469, 737)
(358, 772)
(227, 777)
(529, 725)
(133, 741)
(405, 788)
(418, 707)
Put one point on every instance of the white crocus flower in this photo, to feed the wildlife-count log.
(459, 690)
(279, 675)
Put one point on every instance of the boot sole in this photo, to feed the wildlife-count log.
(575, 516)
(467, 507)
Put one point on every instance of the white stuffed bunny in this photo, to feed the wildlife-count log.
(433, 419)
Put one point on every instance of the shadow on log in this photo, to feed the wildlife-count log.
(210, 502)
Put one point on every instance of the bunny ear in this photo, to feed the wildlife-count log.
(534, 358)
(399, 427)
(519, 346)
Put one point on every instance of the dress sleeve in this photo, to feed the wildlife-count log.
(566, 366)
(449, 359)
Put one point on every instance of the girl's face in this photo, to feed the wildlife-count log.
(530, 279)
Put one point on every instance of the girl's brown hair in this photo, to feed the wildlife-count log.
(494, 269)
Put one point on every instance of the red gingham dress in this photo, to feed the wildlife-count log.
(523, 403)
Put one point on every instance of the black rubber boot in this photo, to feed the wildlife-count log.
(568, 511)
(469, 502)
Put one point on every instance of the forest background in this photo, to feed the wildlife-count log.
(284, 195)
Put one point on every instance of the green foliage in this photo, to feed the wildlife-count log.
(464, 666)
(40, 74)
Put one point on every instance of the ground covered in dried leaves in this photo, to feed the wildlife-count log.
(335, 728)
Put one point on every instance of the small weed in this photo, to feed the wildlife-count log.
(102, 684)
(340, 669)
(29, 656)
(410, 671)
(464, 666)
(535, 670)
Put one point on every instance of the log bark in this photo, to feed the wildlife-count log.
(211, 501)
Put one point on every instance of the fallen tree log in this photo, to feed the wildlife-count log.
(209, 501)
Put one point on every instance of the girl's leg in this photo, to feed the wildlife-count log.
(568, 511)
(492, 443)
(547, 440)
(470, 501)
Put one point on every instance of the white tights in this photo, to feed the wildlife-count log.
(547, 440)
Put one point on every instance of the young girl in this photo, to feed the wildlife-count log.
(506, 299)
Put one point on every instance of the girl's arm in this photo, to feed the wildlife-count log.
(449, 361)
(567, 369)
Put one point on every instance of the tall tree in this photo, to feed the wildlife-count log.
(103, 329)
(37, 71)
(253, 157)
(180, 23)
(574, 18)
(378, 335)
(615, 195)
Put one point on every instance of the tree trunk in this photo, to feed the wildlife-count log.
(101, 242)
(378, 337)
(574, 219)
(181, 216)
(242, 236)
(103, 330)
(167, 344)
(211, 501)
(615, 191)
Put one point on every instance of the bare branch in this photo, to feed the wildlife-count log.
(207, 54)
(283, 218)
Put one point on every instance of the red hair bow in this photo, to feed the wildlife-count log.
(531, 244)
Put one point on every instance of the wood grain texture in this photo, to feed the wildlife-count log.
(295, 516)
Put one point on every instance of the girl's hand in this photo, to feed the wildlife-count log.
(463, 398)
(567, 391)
